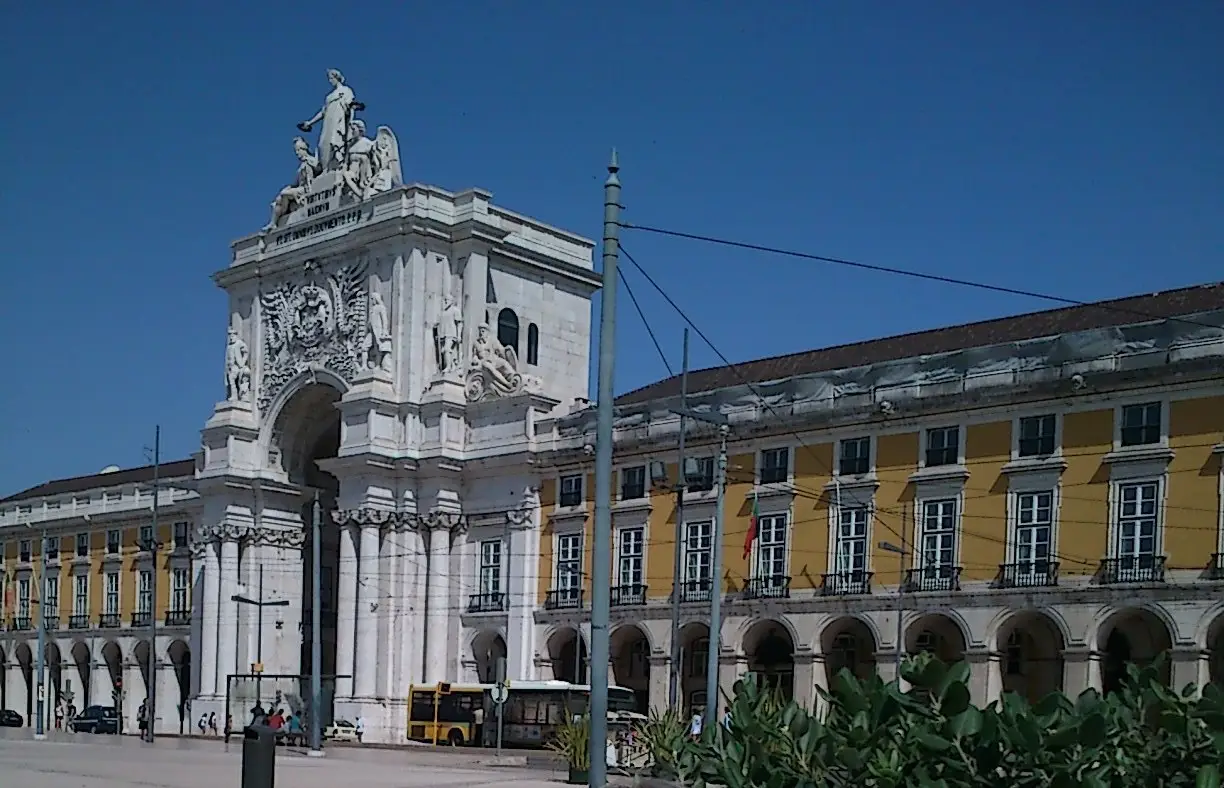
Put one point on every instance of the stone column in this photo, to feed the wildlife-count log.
(886, 666)
(1190, 666)
(17, 692)
(420, 593)
(391, 618)
(101, 689)
(1081, 671)
(408, 646)
(365, 667)
(437, 600)
(346, 607)
(227, 628)
(660, 671)
(209, 620)
(804, 690)
(985, 677)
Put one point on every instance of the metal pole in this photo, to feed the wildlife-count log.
(711, 709)
(673, 678)
(501, 680)
(901, 594)
(152, 706)
(39, 731)
(316, 643)
(601, 571)
(259, 641)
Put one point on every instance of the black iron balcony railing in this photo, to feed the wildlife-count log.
(108, 621)
(933, 578)
(1028, 574)
(178, 618)
(141, 619)
(695, 591)
(629, 595)
(51, 623)
(856, 581)
(19, 624)
(492, 602)
(1215, 570)
(76, 621)
(768, 587)
(1132, 569)
(563, 599)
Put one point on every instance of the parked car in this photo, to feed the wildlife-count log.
(11, 719)
(341, 730)
(96, 719)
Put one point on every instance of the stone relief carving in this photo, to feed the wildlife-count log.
(397, 521)
(448, 339)
(321, 322)
(493, 371)
(378, 336)
(247, 534)
(346, 166)
(237, 368)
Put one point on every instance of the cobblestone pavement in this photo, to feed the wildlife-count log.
(64, 761)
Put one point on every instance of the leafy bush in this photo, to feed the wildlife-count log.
(876, 736)
(573, 742)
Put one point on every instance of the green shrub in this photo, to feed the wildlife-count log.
(873, 735)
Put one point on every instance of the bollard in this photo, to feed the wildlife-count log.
(258, 757)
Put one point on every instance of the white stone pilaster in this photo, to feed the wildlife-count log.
(412, 576)
(210, 591)
(391, 617)
(437, 601)
(346, 612)
(522, 575)
(227, 626)
(365, 672)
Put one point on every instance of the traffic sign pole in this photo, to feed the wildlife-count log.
(500, 693)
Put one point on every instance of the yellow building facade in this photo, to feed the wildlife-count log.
(98, 584)
(1040, 496)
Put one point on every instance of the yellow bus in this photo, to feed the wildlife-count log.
(464, 714)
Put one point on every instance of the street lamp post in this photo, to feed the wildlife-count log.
(40, 731)
(259, 605)
(889, 547)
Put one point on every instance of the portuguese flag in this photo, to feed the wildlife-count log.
(753, 526)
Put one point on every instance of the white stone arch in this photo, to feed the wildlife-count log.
(641, 629)
(1108, 616)
(912, 628)
(1006, 616)
(748, 624)
(839, 621)
(1211, 620)
(295, 440)
(475, 633)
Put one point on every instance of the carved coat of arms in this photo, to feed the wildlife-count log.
(320, 322)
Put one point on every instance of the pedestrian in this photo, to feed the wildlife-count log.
(142, 718)
(359, 724)
(258, 714)
(212, 723)
(695, 725)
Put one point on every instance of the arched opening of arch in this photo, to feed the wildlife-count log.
(771, 656)
(568, 655)
(848, 644)
(24, 656)
(180, 662)
(694, 663)
(936, 634)
(305, 431)
(1215, 650)
(1132, 636)
(82, 660)
(488, 650)
(112, 657)
(508, 329)
(631, 663)
(1032, 650)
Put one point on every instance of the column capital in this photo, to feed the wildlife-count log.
(276, 537)
(438, 520)
(222, 532)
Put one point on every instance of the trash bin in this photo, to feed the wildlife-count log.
(258, 757)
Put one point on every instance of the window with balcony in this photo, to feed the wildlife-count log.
(144, 592)
(53, 548)
(569, 570)
(80, 596)
(489, 596)
(698, 555)
(182, 535)
(1034, 528)
(633, 483)
(850, 552)
(942, 446)
(110, 596)
(775, 466)
(23, 598)
(937, 546)
(854, 457)
(1037, 436)
(23, 551)
(1137, 542)
(1141, 424)
(571, 490)
(180, 602)
(699, 474)
(630, 558)
(82, 545)
(770, 578)
(51, 600)
(113, 541)
(146, 537)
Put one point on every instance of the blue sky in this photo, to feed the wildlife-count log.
(1071, 148)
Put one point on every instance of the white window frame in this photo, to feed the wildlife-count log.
(118, 542)
(1165, 409)
(564, 539)
(620, 482)
(1017, 498)
(489, 571)
(871, 456)
(52, 546)
(582, 481)
(695, 532)
(918, 555)
(145, 535)
(760, 464)
(51, 597)
(1117, 506)
(835, 552)
(759, 546)
(961, 430)
(24, 588)
(82, 539)
(144, 591)
(110, 595)
(80, 601)
(25, 551)
(180, 592)
(1059, 418)
(623, 560)
(691, 493)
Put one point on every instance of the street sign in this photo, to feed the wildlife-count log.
(499, 693)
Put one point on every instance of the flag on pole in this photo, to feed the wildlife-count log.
(753, 525)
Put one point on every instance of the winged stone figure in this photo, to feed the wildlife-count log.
(386, 162)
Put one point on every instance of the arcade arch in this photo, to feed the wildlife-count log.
(770, 650)
(935, 633)
(1032, 646)
(848, 644)
(1132, 636)
(568, 655)
(488, 647)
(630, 651)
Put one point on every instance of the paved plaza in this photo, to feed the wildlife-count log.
(123, 762)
